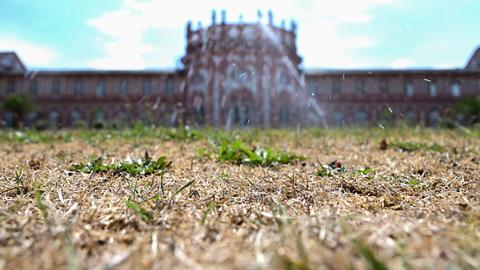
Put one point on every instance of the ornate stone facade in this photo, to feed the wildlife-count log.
(242, 74)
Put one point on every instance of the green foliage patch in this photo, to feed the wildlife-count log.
(412, 146)
(145, 166)
(238, 153)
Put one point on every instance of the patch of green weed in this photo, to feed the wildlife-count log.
(145, 166)
(411, 146)
(238, 153)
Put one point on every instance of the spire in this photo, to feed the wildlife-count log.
(214, 17)
(259, 15)
(224, 16)
(270, 17)
(293, 26)
(189, 27)
(240, 18)
(282, 24)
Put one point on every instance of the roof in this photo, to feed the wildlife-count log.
(10, 63)
(374, 71)
(89, 72)
(474, 60)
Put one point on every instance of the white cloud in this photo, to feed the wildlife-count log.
(30, 53)
(319, 41)
(402, 62)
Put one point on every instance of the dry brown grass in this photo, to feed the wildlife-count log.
(416, 210)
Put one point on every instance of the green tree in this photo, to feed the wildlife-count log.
(469, 107)
(19, 106)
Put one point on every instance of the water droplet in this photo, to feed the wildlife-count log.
(427, 80)
(381, 126)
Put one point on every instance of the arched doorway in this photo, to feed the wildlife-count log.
(198, 109)
(240, 110)
(284, 109)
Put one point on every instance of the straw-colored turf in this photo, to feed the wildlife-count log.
(416, 209)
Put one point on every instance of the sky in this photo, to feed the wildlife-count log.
(150, 34)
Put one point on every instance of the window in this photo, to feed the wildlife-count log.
(432, 89)
(408, 89)
(361, 117)
(433, 118)
(410, 115)
(124, 87)
(31, 119)
(56, 87)
(169, 86)
(456, 89)
(147, 87)
(78, 88)
(76, 117)
(338, 118)
(100, 91)
(336, 86)
(10, 86)
(360, 85)
(284, 115)
(383, 85)
(198, 111)
(33, 87)
(53, 118)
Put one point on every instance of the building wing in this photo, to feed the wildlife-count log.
(11, 63)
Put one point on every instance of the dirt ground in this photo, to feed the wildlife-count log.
(387, 208)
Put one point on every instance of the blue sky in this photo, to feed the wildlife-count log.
(150, 34)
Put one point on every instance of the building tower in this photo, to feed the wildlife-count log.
(242, 74)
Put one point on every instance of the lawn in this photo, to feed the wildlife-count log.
(403, 198)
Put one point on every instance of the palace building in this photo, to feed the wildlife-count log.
(236, 75)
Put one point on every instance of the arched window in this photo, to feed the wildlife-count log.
(53, 119)
(336, 86)
(76, 117)
(432, 89)
(8, 119)
(10, 86)
(78, 88)
(147, 87)
(361, 117)
(456, 89)
(198, 111)
(384, 86)
(408, 88)
(360, 85)
(240, 115)
(284, 115)
(124, 87)
(31, 119)
(169, 86)
(338, 118)
(56, 83)
(433, 118)
(100, 90)
(33, 87)
(410, 116)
